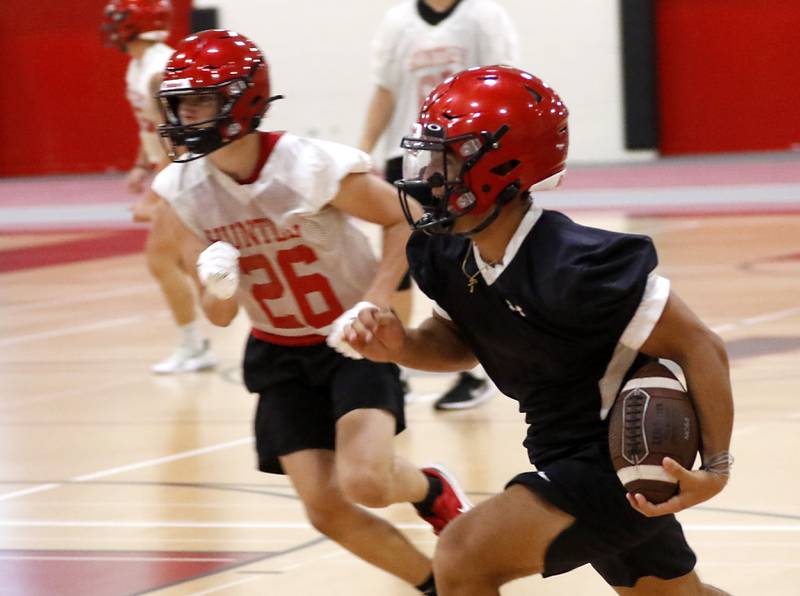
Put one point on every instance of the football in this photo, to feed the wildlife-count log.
(653, 417)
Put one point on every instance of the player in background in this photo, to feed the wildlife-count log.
(266, 217)
(139, 29)
(419, 44)
(558, 314)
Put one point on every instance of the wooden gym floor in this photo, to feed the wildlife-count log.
(114, 481)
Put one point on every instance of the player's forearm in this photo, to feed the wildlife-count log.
(219, 312)
(706, 367)
(379, 112)
(436, 347)
(392, 266)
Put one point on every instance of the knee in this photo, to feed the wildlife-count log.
(465, 558)
(454, 562)
(368, 487)
(161, 260)
(327, 517)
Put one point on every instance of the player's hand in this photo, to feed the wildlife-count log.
(143, 210)
(135, 180)
(694, 487)
(336, 338)
(377, 334)
(218, 269)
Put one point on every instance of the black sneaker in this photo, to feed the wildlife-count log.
(467, 392)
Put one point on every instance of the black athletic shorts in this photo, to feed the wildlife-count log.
(620, 543)
(304, 390)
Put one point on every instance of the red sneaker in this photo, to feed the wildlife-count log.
(451, 503)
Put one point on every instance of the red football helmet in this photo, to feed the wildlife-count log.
(214, 62)
(509, 132)
(126, 20)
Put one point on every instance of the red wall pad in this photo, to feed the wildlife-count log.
(62, 97)
(728, 75)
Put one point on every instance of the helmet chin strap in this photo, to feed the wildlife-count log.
(503, 199)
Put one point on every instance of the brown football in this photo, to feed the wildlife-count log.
(653, 417)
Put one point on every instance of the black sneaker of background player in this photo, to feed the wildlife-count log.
(467, 392)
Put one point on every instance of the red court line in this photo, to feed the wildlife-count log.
(100, 245)
(108, 573)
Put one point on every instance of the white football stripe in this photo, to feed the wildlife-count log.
(653, 383)
(631, 473)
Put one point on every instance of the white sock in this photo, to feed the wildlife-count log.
(190, 336)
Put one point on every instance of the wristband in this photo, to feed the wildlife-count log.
(719, 463)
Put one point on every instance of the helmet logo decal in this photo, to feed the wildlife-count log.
(465, 201)
(471, 147)
(176, 84)
(237, 87)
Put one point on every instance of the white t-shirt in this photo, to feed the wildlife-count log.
(138, 77)
(411, 56)
(302, 262)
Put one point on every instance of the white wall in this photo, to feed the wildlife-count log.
(318, 52)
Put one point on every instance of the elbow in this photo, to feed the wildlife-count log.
(220, 319)
(717, 346)
(706, 347)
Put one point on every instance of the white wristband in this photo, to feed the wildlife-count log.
(335, 338)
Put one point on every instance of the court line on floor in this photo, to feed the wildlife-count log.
(769, 317)
(105, 324)
(129, 467)
(239, 582)
(80, 299)
(126, 559)
(149, 524)
(80, 392)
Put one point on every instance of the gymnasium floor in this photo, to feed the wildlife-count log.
(117, 482)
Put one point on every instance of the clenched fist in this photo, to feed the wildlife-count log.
(218, 269)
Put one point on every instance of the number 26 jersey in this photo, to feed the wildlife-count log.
(303, 262)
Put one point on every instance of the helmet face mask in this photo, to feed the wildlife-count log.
(219, 64)
(190, 140)
(484, 137)
(434, 163)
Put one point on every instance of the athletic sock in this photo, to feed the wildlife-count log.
(428, 587)
(434, 490)
(190, 336)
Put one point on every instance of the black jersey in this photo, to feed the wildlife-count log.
(545, 330)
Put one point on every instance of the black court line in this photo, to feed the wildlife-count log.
(270, 491)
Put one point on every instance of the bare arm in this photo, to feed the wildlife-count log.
(142, 167)
(367, 197)
(379, 112)
(436, 345)
(172, 234)
(679, 335)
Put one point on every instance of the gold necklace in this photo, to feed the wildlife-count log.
(472, 280)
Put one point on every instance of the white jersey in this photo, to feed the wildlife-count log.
(138, 80)
(302, 263)
(411, 56)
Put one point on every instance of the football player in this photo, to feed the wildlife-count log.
(139, 28)
(419, 44)
(266, 216)
(558, 314)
